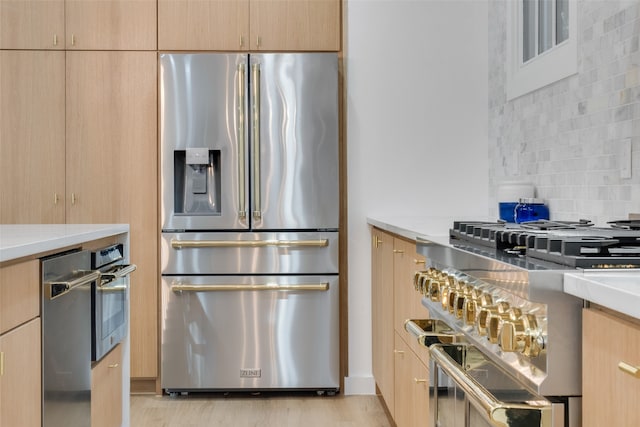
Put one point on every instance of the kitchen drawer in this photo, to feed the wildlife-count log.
(19, 294)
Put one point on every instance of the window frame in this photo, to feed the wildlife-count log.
(550, 66)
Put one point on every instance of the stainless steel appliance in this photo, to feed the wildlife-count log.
(109, 299)
(250, 204)
(504, 339)
(66, 339)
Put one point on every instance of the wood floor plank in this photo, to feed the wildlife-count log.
(263, 411)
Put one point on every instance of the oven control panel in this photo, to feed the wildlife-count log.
(503, 320)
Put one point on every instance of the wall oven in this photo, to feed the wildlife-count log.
(109, 299)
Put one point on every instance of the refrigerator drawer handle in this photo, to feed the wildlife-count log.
(500, 413)
(255, 155)
(180, 244)
(179, 287)
(240, 125)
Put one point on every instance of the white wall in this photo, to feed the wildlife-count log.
(416, 81)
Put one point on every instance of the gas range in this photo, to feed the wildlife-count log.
(574, 244)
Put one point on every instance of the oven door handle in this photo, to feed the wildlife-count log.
(120, 273)
(501, 414)
(57, 289)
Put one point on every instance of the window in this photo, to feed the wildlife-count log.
(541, 43)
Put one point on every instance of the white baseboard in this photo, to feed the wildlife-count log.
(359, 385)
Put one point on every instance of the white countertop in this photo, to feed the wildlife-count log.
(20, 240)
(617, 290)
(412, 227)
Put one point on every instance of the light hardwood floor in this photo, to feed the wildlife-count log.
(263, 411)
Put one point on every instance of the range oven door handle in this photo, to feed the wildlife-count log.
(180, 287)
(180, 244)
(431, 331)
(501, 414)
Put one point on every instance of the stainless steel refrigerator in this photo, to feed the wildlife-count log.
(250, 211)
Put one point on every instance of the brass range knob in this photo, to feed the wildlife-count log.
(417, 279)
(522, 334)
(496, 321)
(448, 286)
(433, 290)
(476, 300)
(485, 313)
(459, 298)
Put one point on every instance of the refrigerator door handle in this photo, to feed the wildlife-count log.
(255, 155)
(240, 125)
(181, 244)
(180, 287)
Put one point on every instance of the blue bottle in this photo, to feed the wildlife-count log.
(531, 210)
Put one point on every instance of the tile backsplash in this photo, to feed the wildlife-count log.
(571, 138)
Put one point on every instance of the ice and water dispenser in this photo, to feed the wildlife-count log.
(197, 182)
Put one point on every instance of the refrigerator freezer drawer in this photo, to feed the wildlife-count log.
(250, 253)
(264, 333)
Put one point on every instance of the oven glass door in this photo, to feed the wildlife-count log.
(110, 310)
(472, 391)
(113, 299)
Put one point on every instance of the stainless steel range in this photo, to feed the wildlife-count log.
(504, 339)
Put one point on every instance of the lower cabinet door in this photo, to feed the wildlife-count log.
(106, 390)
(20, 376)
(411, 387)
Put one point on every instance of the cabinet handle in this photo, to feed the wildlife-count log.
(419, 380)
(241, 41)
(398, 351)
(634, 371)
(258, 41)
(56, 198)
(1, 363)
(398, 251)
(376, 242)
(115, 365)
(55, 40)
(73, 39)
(74, 198)
(419, 261)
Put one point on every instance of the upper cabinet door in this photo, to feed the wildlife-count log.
(32, 137)
(303, 25)
(31, 24)
(111, 24)
(203, 25)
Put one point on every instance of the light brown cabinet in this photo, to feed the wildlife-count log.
(399, 362)
(78, 24)
(610, 395)
(31, 24)
(411, 386)
(32, 137)
(106, 390)
(20, 348)
(112, 171)
(382, 314)
(249, 25)
(102, 169)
